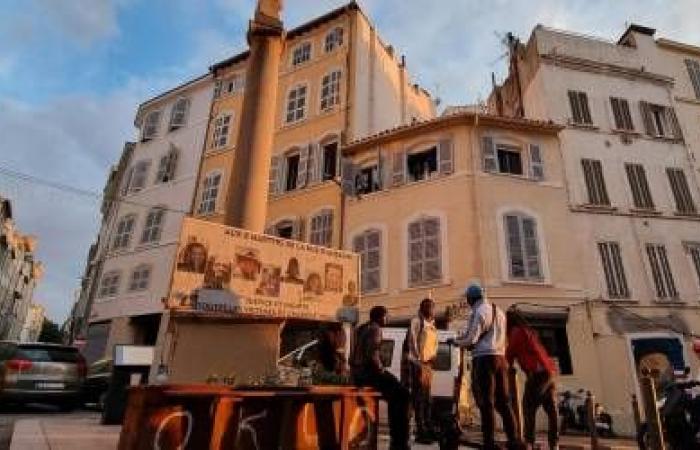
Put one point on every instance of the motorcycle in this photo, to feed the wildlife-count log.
(679, 410)
(574, 416)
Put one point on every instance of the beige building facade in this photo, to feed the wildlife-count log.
(632, 191)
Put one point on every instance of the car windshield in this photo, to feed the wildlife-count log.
(48, 354)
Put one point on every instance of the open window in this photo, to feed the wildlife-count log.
(422, 165)
(510, 159)
(551, 329)
(285, 229)
(330, 161)
(367, 180)
(292, 171)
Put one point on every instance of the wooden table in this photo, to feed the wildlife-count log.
(174, 417)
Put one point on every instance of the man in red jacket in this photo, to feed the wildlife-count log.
(540, 388)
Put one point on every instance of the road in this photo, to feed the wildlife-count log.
(10, 413)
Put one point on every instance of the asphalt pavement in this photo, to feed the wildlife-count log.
(11, 413)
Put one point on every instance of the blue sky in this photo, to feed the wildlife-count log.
(72, 73)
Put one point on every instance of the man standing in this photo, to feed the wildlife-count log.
(485, 337)
(540, 388)
(368, 370)
(420, 350)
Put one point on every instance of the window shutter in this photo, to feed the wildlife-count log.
(617, 113)
(127, 181)
(488, 152)
(536, 164)
(172, 168)
(274, 176)
(626, 116)
(298, 229)
(348, 170)
(398, 176)
(446, 154)
(515, 247)
(694, 74)
(303, 166)
(583, 103)
(673, 121)
(531, 247)
(575, 108)
(313, 163)
(646, 117)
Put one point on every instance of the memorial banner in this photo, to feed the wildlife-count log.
(222, 269)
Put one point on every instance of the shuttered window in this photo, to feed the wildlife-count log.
(580, 112)
(368, 246)
(178, 115)
(595, 182)
(322, 228)
(488, 154)
(693, 67)
(140, 278)
(153, 227)
(660, 121)
(296, 104)
(613, 269)
(536, 163)
(139, 175)
(124, 230)
(693, 249)
(523, 247)
(222, 125)
(661, 272)
(150, 126)
(681, 191)
(274, 183)
(639, 186)
(330, 90)
(109, 285)
(167, 166)
(621, 113)
(210, 191)
(424, 252)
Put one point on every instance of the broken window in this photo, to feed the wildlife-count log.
(422, 165)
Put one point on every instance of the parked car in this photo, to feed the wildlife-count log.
(36, 372)
(97, 383)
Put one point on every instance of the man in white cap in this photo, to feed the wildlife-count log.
(485, 337)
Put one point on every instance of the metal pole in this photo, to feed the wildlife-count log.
(648, 391)
(593, 430)
(516, 400)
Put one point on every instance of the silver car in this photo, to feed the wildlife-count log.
(41, 373)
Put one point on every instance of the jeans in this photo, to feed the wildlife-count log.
(421, 381)
(397, 397)
(490, 389)
(540, 390)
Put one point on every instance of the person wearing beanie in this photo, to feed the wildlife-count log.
(485, 338)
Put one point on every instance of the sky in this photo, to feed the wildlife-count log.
(72, 73)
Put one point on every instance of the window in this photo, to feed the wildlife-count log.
(285, 229)
(681, 191)
(509, 160)
(422, 165)
(221, 129)
(288, 229)
(292, 175)
(330, 161)
(523, 247)
(595, 183)
(139, 175)
(613, 269)
(296, 104)
(330, 90)
(639, 186)
(367, 180)
(153, 226)
(368, 246)
(150, 126)
(322, 228)
(693, 249)
(140, 278)
(178, 115)
(621, 112)
(693, 67)
(580, 113)
(334, 39)
(551, 329)
(660, 121)
(234, 85)
(218, 86)
(301, 53)
(210, 191)
(661, 272)
(109, 287)
(424, 252)
(167, 166)
(122, 237)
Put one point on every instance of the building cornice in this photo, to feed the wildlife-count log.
(680, 46)
(177, 90)
(588, 65)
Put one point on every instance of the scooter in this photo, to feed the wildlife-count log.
(574, 416)
(679, 410)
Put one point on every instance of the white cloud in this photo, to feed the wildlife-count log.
(84, 21)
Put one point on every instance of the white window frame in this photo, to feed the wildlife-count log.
(138, 178)
(296, 106)
(139, 282)
(110, 289)
(222, 130)
(321, 227)
(210, 193)
(334, 39)
(179, 113)
(330, 90)
(122, 236)
(153, 226)
(301, 53)
(151, 124)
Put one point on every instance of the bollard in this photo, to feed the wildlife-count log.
(590, 409)
(636, 413)
(516, 400)
(648, 392)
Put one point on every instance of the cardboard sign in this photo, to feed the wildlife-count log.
(227, 270)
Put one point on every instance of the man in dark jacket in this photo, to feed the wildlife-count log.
(368, 371)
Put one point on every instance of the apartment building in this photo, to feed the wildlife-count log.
(19, 274)
(146, 197)
(31, 330)
(631, 190)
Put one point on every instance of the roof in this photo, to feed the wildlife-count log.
(680, 46)
(293, 33)
(169, 91)
(460, 118)
(637, 29)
